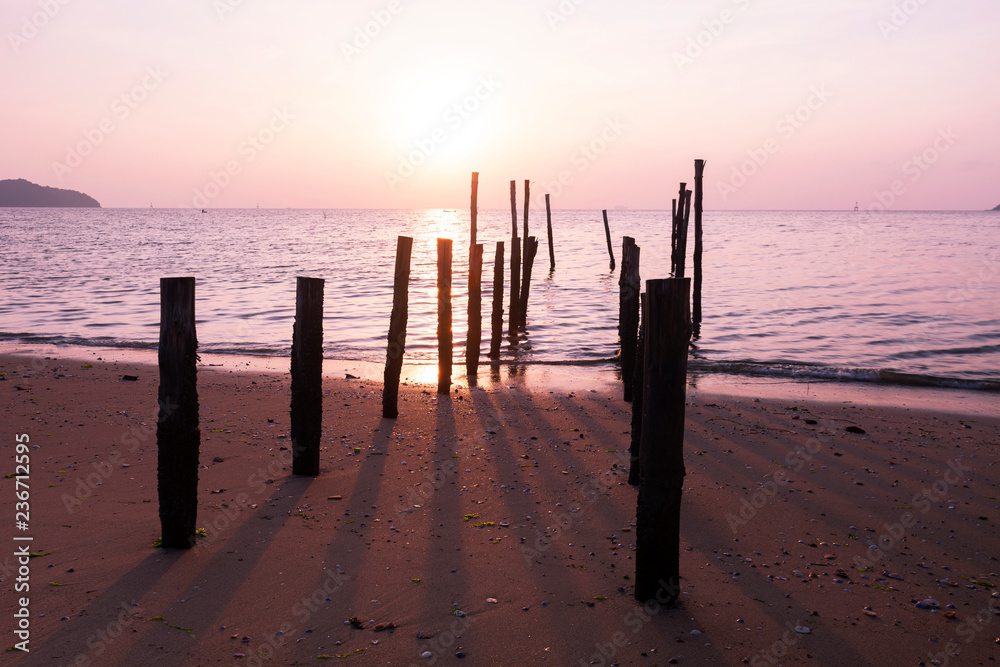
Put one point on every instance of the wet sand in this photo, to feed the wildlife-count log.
(497, 523)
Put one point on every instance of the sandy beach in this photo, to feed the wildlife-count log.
(495, 526)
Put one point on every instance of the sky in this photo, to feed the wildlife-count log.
(393, 103)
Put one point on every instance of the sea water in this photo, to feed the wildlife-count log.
(898, 296)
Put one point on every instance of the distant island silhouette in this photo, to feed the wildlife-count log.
(997, 208)
(19, 192)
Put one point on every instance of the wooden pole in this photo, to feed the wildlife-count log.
(515, 265)
(673, 237)
(531, 249)
(661, 451)
(178, 437)
(474, 208)
(527, 199)
(683, 204)
(444, 316)
(522, 307)
(397, 328)
(307, 376)
(548, 225)
(628, 311)
(513, 310)
(513, 209)
(497, 318)
(474, 337)
(634, 469)
(607, 233)
(699, 173)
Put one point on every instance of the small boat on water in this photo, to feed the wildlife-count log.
(451, 210)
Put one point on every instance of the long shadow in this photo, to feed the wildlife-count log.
(335, 593)
(70, 641)
(214, 579)
(446, 563)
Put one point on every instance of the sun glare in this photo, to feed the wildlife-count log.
(442, 113)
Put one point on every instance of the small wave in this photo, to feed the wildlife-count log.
(806, 371)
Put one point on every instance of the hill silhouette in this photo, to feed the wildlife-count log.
(19, 192)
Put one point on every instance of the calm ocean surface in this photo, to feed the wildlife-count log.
(898, 296)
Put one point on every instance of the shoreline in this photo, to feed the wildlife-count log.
(547, 376)
(775, 509)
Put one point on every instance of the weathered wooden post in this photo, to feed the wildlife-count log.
(177, 434)
(699, 173)
(661, 451)
(634, 469)
(607, 233)
(529, 259)
(474, 336)
(628, 311)
(515, 266)
(526, 243)
(397, 328)
(474, 208)
(496, 321)
(685, 226)
(307, 376)
(679, 251)
(444, 316)
(673, 237)
(548, 225)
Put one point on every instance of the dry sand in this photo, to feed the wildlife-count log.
(497, 522)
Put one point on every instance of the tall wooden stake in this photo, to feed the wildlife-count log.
(634, 469)
(532, 248)
(513, 309)
(683, 204)
(444, 316)
(397, 328)
(673, 237)
(474, 337)
(307, 376)
(496, 321)
(699, 173)
(548, 225)
(526, 243)
(607, 233)
(178, 437)
(661, 451)
(628, 311)
(515, 265)
(474, 208)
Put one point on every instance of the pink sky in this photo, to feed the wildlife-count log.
(231, 103)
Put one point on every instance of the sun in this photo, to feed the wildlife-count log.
(443, 113)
